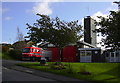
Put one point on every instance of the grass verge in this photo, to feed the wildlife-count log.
(100, 72)
(5, 56)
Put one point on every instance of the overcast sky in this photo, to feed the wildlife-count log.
(17, 14)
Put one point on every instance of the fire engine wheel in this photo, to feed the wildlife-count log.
(32, 58)
(22, 59)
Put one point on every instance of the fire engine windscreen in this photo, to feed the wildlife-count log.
(26, 50)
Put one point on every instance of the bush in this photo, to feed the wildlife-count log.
(5, 56)
(57, 65)
(16, 54)
(5, 49)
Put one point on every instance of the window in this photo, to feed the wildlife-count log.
(112, 54)
(26, 50)
(82, 53)
(107, 54)
(117, 54)
(32, 50)
(88, 53)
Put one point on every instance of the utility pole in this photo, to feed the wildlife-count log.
(117, 2)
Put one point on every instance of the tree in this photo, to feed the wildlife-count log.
(5, 47)
(19, 45)
(110, 29)
(55, 31)
(16, 53)
(20, 36)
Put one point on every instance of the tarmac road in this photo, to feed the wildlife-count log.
(14, 74)
(10, 75)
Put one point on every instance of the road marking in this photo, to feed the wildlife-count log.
(28, 71)
(5, 68)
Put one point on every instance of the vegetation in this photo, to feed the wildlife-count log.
(4, 51)
(100, 72)
(19, 45)
(20, 36)
(0, 55)
(15, 54)
(54, 31)
(5, 56)
(5, 48)
(110, 29)
(12, 51)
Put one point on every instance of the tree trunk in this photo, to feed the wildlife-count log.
(60, 55)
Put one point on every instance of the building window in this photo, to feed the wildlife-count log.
(82, 53)
(112, 54)
(117, 54)
(88, 53)
(85, 53)
(107, 54)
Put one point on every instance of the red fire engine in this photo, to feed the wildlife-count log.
(31, 53)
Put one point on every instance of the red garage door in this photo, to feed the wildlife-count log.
(54, 53)
(69, 54)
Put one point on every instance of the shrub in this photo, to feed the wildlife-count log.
(57, 65)
(16, 54)
(5, 49)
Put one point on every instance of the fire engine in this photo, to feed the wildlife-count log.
(35, 53)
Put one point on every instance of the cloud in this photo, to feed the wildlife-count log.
(81, 21)
(8, 18)
(4, 42)
(94, 16)
(43, 7)
(99, 13)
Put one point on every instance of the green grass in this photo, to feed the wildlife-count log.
(0, 55)
(5, 56)
(100, 72)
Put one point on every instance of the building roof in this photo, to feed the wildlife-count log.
(87, 44)
(78, 42)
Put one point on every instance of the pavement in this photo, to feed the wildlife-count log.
(58, 78)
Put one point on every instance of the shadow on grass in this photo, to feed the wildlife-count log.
(110, 76)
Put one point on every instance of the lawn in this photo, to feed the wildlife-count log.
(5, 56)
(100, 72)
(0, 55)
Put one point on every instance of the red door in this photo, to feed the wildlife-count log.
(69, 54)
(55, 53)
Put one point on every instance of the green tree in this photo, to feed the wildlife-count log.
(19, 45)
(5, 47)
(110, 29)
(16, 53)
(55, 31)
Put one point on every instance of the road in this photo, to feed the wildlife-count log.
(13, 73)
(9, 74)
